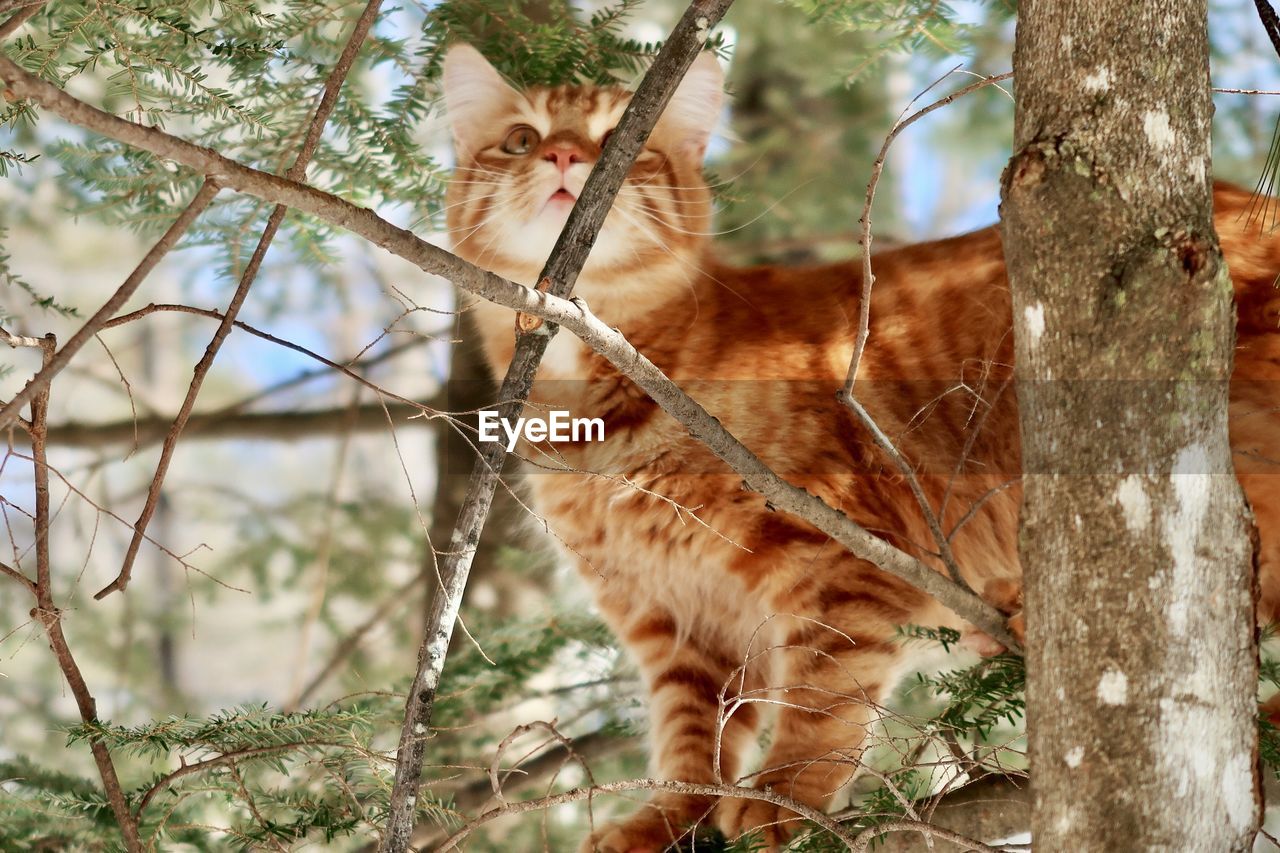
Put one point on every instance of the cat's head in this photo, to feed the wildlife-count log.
(524, 155)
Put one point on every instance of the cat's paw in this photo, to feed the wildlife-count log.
(774, 825)
(649, 831)
(1006, 596)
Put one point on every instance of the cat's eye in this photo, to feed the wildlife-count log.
(521, 140)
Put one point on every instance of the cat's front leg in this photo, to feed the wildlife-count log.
(836, 668)
(686, 679)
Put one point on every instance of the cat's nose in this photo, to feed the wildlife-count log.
(564, 156)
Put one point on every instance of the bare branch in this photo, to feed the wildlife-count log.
(48, 614)
(527, 773)
(9, 570)
(267, 336)
(995, 806)
(930, 517)
(275, 426)
(877, 168)
(297, 172)
(400, 597)
(16, 341)
(846, 394)
(867, 836)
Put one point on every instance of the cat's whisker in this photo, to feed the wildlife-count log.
(749, 222)
(712, 184)
(470, 233)
(696, 268)
(467, 201)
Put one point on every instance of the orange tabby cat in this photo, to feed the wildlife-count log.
(754, 604)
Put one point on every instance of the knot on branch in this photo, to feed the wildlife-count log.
(1192, 250)
(46, 616)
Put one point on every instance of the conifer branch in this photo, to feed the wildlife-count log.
(218, 760)
(297, 172)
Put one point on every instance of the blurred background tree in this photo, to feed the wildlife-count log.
(271, 636)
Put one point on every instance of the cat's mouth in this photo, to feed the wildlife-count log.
(563, 194)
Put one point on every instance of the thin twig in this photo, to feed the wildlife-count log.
(6, 569)
(287, 344)
(697, 790)
(846, 394)
(864, 839)
(930, 517)
(868, 279)
(268, 426)
(495, 780)
(399, 597)
(10, 412)
(545, 766)
(557, 279)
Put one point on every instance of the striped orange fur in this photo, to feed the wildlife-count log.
(747, 604)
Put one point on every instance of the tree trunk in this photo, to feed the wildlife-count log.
(1135, 535)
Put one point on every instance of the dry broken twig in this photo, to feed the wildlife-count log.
(846, 394)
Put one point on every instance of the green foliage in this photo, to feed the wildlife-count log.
(279, 776)
(244, 729)
(548, 44)
(9, 278)
(13, 159)
(477, 683)
(910, 26)
(982, 696)
(1269, 745)
(243, 79)
(41, 808)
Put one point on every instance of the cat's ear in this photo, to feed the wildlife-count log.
(475, 97)
(694, 109)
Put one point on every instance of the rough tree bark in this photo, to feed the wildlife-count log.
(1135, 539)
